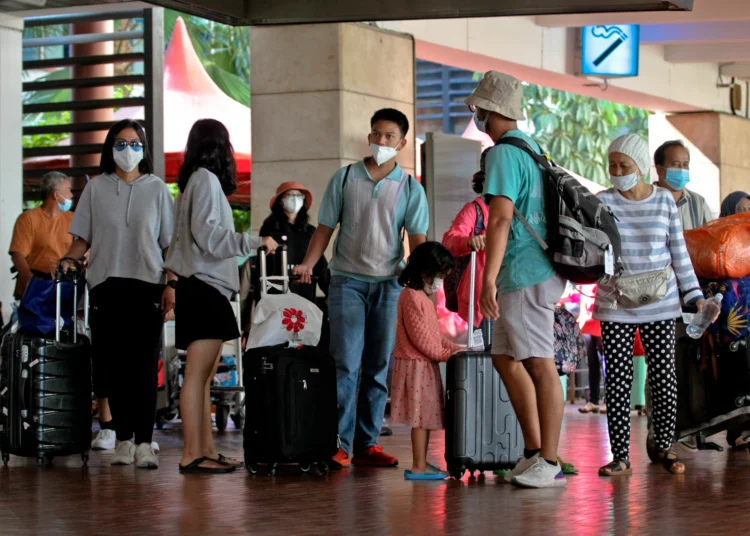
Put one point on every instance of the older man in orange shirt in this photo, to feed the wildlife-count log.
(40, 237)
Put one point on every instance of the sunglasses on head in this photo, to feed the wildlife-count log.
(135, 145)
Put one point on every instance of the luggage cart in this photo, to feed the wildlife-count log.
(168, 393)
(229, 399)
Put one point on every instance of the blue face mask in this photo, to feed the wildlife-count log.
(481, 124)
(677, 178)
(66, 206)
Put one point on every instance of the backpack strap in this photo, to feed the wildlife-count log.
(343, 186)
(543, 161)
(529, 228)
(408, 198)
(479, 222)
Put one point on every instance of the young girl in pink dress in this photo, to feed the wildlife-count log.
(417, 389)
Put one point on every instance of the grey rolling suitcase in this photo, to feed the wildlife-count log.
(481, 429)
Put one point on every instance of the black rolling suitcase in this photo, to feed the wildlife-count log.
(45, 394)
(481, 429)
(291, 413)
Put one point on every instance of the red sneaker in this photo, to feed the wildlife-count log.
(376, 457)
(340, 460)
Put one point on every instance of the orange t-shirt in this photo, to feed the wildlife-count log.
(40, 239)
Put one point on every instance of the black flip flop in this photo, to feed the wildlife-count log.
(224, 461)
(195, 467)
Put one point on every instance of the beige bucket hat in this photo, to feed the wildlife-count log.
(499, 93)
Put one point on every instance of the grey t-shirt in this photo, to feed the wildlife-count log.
(127, 227)
(205, 244)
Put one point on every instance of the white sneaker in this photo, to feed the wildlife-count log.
(104, 440)
(124, 454)
(145, 457)
(155, 446)
(541, 475)
(522, 464)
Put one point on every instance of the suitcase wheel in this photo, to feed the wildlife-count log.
(272, 469)
(44, 461)
(305, 467)
(252, 468)
(238, 419)
(458, 473)
(222, 417)
(85, 459)
(321, 468)
(6, 458)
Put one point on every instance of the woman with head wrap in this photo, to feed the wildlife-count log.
(652, 242)
(735, 203)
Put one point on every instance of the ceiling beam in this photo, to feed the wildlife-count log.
(695, 32)
(703, 11)
(264, 12)
(736, 70)
(711, 53)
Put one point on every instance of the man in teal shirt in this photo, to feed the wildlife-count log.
(374, 203)
(520, 288)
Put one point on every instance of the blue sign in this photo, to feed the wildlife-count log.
(610, 50)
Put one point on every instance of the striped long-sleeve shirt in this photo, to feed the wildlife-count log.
(652, 239)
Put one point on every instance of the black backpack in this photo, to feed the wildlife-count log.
(580, 228)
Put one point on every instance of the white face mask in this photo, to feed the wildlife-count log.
(436, 285)
(381, 153)
(127, 159)
(626, 182)
(293, 204)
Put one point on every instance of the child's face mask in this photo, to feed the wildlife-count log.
(437, 284)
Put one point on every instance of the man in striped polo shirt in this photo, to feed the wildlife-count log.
(375, 202)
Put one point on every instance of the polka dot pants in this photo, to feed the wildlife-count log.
(658, 343)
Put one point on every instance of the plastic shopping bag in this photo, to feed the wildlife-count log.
(282, 318)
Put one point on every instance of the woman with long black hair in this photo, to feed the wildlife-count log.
(203, 254)
(125, 218)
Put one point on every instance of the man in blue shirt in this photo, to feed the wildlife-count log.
(375, 203)
(520, 287)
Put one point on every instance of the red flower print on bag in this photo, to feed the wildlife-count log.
(293, 320)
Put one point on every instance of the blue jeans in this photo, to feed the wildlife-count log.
(363, 331)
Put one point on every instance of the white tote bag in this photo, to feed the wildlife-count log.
(282, 318)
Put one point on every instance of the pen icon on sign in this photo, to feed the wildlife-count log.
(605, 32)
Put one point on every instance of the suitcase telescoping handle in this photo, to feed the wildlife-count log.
(472, 287)
(74, 275)
(265, 280)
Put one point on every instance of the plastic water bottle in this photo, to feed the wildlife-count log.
(703, 319)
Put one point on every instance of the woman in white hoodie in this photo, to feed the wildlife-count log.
(125, 217)
(204, 254)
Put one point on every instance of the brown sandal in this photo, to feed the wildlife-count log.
(617, 467)
(671, 462)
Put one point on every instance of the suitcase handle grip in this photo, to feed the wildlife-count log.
(472, 286)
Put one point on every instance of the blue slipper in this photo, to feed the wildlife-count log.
(433, 473)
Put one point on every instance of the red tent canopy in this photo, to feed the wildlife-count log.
(189, 95)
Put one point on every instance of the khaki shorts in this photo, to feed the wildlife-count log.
(527, 318)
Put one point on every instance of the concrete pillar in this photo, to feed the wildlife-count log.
(11, 170)
(719, 151)
(92, 93)
(314, 90)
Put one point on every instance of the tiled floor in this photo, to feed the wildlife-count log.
(713, 497)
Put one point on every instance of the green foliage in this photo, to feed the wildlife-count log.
(576, 130)
(241, 220)
(223, 50)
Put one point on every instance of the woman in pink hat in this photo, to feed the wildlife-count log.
(289, 225)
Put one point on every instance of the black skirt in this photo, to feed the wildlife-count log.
(201, 313)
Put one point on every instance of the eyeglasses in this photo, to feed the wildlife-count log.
(120, 145)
